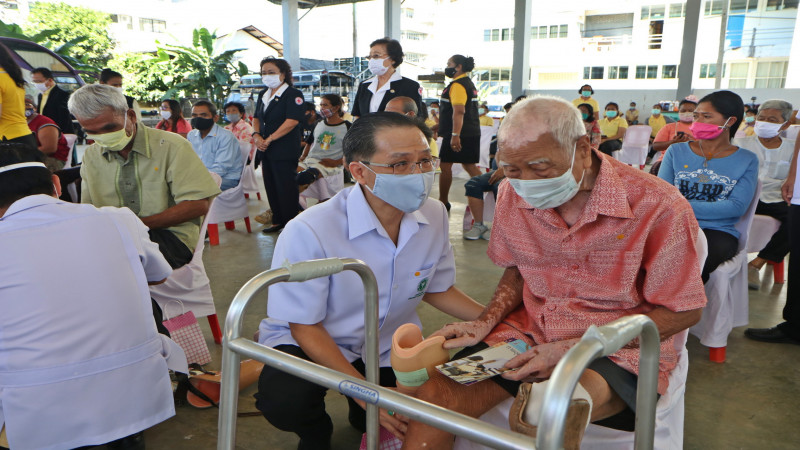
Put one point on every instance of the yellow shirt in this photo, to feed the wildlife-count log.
(45, 96)
(434, 148)
(13, 123)
(609, 128)
(458, 95)
(590, 101)
(749, 130)
(656, 123)
(486, 121)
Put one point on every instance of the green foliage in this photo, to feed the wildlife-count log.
(43, 38)
(81, 33)
(143, 79)
(197, 71)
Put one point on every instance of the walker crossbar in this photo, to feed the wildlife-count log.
(234, 346)
(596, 343)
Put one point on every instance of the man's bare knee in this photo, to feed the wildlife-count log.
(605, 401)
(440, 390)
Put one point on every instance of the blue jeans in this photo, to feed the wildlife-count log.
(228, 183)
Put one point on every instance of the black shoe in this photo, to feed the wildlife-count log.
(132, 442)
(774, 335)
(272, 229)
(447, 207)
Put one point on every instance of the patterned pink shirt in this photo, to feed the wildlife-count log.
(632, 249)
(242, 130)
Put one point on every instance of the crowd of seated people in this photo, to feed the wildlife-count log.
(565, 210)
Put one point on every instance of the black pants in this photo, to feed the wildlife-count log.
(66, 177)
(778, 246)
(282, 193)
(177, 255)
(610, 146)
(29, 140)
(722, 246)
(293, 404)
(791, 312)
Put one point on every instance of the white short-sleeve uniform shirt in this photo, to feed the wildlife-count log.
(346, 227)
(80, 360)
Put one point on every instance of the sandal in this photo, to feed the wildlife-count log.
(203, 387)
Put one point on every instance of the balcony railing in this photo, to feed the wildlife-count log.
(606, 43)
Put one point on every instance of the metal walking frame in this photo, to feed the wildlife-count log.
(597, 342)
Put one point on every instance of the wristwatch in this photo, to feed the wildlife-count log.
(455, 134)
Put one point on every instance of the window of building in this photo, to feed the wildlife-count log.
(123, 19)
(708, 70)
(413, 35)
(677, 10)
(670, 71)
(507, 34)
(608, 25)
(656, 34)
(562, 31)
(487, 35)
(593, 73)
(413, 57)
(771, 74)
(494, 74)
(553, 31)
(153, 25)
(649, 72)
(653, 12)
(738, 79)
(743, 6)
(777, 5)
(495, 34)
(543, 32)
(618, 72)
(713, 7)
(408, 12)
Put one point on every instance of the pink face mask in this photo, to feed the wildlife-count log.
(707, 131)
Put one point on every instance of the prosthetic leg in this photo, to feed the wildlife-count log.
(414, 359)
(524, 415)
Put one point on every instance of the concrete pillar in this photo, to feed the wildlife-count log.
(521, 67)
(291, 34)
(391, 14)
(793, 73)
(686, 68)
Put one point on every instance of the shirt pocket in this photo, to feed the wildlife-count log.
(419, 280)
(614, 274)
(780, 170)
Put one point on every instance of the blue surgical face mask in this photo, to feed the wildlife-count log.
(548, 192)
(405, 192)
(611, 113)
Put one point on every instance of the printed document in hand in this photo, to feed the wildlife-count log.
(483, 364)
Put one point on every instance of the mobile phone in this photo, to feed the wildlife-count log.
(680, 134)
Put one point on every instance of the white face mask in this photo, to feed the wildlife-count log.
(686, 117)
(376, 66)
(405, 192)
(272, 81)
(549, 192)
(767, 130)
(166, 115)
(41, 86)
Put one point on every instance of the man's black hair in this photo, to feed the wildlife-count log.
(19, 183)
(44, 71)
(359, 142)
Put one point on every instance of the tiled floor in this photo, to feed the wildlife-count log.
(749, 402)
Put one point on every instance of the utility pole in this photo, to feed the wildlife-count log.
(723, 30)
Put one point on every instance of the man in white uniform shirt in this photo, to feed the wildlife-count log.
(774, 161)
(81, 363)
(386, 220)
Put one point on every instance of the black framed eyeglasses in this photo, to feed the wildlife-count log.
(407, 167)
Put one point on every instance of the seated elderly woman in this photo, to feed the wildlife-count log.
(718, 178)
(49, 138)
(774, 161)
(584, 239)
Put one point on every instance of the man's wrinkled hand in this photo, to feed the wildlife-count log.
(497, 176)
(464, 334)
(538, 362)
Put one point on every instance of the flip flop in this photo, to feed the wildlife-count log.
(204, 387)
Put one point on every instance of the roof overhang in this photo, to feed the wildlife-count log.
(306, 4)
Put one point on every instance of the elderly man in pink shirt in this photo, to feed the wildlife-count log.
(584, 240)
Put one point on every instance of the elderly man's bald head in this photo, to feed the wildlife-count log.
(403, 105)
(533, 117)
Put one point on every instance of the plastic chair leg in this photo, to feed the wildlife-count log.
(247, 223)
(259, 195)
(213, 322)
(246, 195)
(777, 272)
(230, 225)
(213, 234)
(716, 354)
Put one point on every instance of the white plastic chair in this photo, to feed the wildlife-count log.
(635, 145)
(669, 409)
(761, 232)
(486, 142)
(230, 205)
(72, 188)
(727, 293)
(249, 179)
(190, 285)
(323, 188)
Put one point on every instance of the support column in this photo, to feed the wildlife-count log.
(723, 31)
(521, 67)
(291, 34)
(391, 14)
(686, 68)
